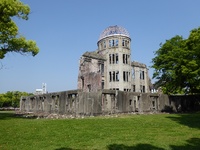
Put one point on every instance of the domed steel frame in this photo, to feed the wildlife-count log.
(113, 30)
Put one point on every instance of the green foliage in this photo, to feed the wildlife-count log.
(131, 132)
(10, 39)
(11, 99)
(177, 64)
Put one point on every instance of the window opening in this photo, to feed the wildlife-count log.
(124, 75)
(89, 87)
(104, 44)
(143, 75)
(124, 58)
(117, 58)
(113, 76)
(102, 84)
(126, 44)
(113, 42)
(153, 104)
(123, 42)
(133, 73)
(138, 98)
(110, 43)
(127, 76)
(82, 80)
(117, 75)
(102, 68)
(116, 42)
(110, 76)
(110, 58)
(130, 102)
(126, 62)
(133, 86)
(143, 89)
(113, 57)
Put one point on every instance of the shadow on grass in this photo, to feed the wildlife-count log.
(5, 115)
(65, 148)
(192, 144)
(136, 147)
(191, 120)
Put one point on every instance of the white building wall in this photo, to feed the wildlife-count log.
(141, 83)
(120, 67)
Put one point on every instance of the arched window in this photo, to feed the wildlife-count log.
(113, 42)
(104, 44)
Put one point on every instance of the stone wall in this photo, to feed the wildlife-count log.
(185, 103)
(78, 103)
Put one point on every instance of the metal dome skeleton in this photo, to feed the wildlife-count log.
(113, 30)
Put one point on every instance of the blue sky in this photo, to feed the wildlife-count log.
(65, 29)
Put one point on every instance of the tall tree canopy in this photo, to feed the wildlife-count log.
(10, 39)
(177, 64)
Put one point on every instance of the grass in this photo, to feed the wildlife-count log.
(125, 132)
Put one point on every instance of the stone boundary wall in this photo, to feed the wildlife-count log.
(185, 103)
(78, 103)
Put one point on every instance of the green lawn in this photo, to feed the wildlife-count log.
(125, 132)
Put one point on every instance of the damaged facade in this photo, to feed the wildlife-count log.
(77, 103)
(110, 66)
(108, 83)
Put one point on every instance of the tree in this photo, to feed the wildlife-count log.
(12, 98)
(10, 39)
(177, 64)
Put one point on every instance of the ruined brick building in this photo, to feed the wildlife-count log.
(110, 66)
(108, 83)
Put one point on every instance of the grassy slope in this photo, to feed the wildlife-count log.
(159, 132)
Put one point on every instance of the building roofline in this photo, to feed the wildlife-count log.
(94, 55)
(138, 64)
